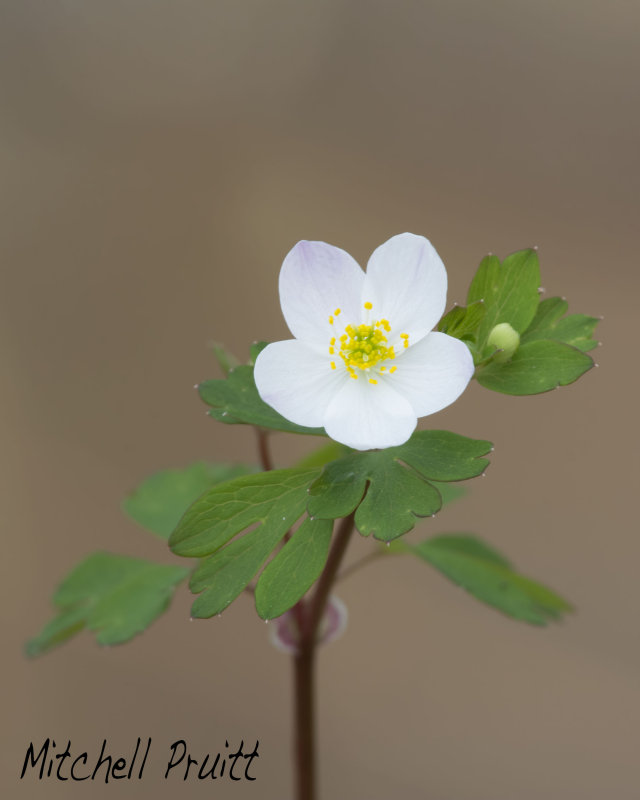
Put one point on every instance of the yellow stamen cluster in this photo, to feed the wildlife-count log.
(363, 347)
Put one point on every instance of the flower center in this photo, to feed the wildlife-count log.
(364, 348)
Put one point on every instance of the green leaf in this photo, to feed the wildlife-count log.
(509, 291)
(160, 500)
(536, 367)
(274, 499)
(489, 577)
(57, 631)
(236, 401)
(224, 575)
(323, 455)
(225, 359)
(444, 456)
(255, 350)
(465, 545)
(463, 322)
(114, 596)
(449, 492)
(391, 487)
(550, 323)
(548, 313)
(294, 570)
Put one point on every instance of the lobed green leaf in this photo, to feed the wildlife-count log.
(221, 577)
(550, 323)
(255, 350)
(294, 569)
(58, 630)
(226, 360)
(114, 596)
(509, 291)
(391, 488)
(449, 492)
(235, 400)
(463, 321)
(160, 500)
(489, 577)
(536, 366)
(323, 455)
(274, 499)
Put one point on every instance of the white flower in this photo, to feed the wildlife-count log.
(364, 363)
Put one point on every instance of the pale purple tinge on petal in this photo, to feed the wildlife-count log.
(297, 381)
(316, 279)
(367, 417)
(406, 283)
(283, 634)
(433, 373)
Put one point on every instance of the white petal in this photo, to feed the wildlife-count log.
(366, 416)
(316, 279)
(433, 373)
(297, 381)
(406, 283)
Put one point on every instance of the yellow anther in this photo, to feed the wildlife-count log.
(364, 347)
(333, 365)
(337, 312)
(406, 343)
(330, 320)
(393, 369)
(368, 305)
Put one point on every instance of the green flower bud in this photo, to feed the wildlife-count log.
(505, 339)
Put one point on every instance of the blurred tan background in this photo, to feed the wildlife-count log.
(158, 161)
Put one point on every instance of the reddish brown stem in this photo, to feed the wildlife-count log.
(309, 617)
(263, 449)
(304, 669)
(321, 595)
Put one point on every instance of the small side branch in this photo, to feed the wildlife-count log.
(368, 559)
